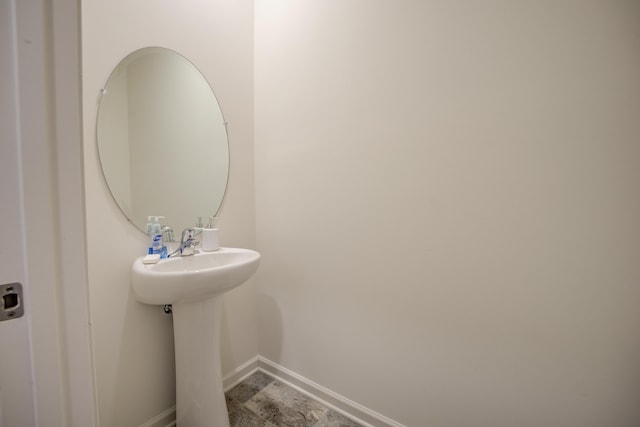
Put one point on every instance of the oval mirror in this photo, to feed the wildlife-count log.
(162, 140)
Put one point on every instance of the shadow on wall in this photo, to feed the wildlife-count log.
(270, 317)
(147, 330)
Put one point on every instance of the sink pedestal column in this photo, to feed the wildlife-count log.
(200, 400)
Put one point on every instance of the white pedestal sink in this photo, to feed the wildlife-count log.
(194, 286)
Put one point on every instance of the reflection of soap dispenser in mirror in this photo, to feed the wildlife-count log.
(150, 234)
(210, 237)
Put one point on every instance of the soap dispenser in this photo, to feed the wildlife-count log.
(210, 237)
(157, 244)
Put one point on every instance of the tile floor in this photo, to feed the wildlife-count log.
(262, 401)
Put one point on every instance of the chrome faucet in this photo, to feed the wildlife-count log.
(188, 243)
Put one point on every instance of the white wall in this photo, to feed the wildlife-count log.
(133, 343)
(447, 206)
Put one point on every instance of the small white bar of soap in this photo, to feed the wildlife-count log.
(151, 259)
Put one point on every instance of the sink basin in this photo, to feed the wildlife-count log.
(194, 277)
(194, 285)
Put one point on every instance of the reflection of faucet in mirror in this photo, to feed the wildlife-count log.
(167, 234)
(188, 243)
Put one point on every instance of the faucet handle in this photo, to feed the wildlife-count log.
(188, 242)
(188, 234)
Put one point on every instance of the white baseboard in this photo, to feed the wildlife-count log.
(164, 419)
(341, 404)
(238, 375)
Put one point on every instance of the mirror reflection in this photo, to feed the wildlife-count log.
(162, 140)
